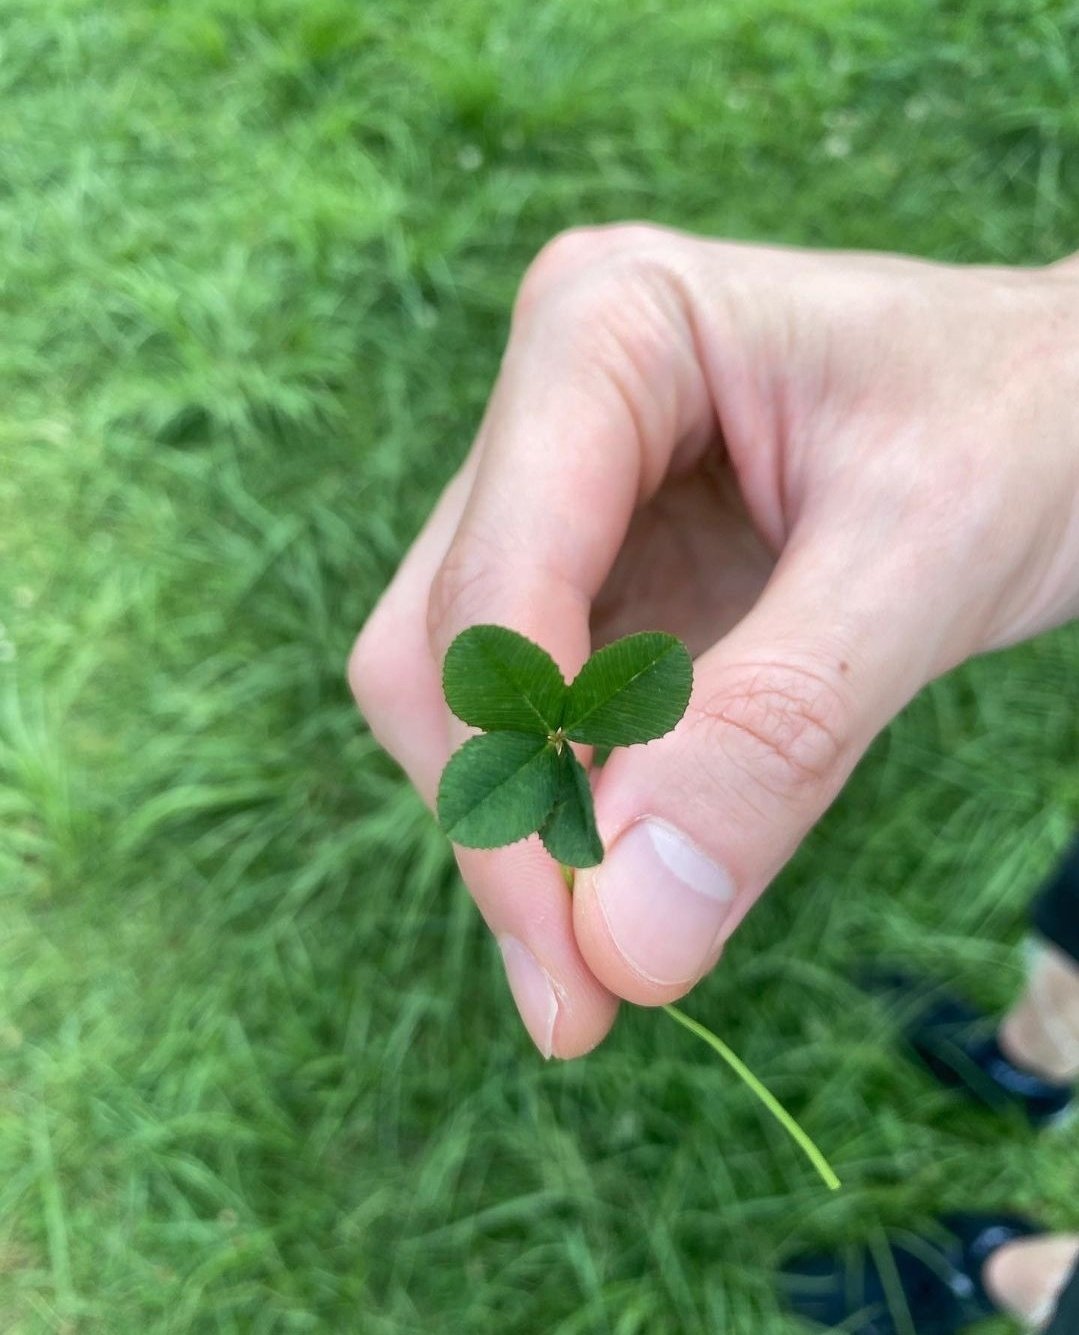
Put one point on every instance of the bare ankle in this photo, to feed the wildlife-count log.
(1027, 1277)
(1041, 1032)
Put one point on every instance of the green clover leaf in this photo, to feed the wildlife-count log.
(497, 680)
(521, 775)
(569, 833)
(632, 691)
(498, 788)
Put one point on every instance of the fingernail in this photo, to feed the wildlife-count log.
(533, 991)
(664, 902)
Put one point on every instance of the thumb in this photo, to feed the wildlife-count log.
(698, 823)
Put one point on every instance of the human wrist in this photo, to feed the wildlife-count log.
(1064, 370)
(1048, 432)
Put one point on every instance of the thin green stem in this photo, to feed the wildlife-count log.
(808, 1147)
(782, 1116)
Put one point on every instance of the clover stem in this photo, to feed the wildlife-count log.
(808, 1147)
(804, 1142)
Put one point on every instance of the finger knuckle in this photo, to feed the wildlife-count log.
(580, 251)
(785, 728)
(559, 259)
(371, 670)
(460, 592)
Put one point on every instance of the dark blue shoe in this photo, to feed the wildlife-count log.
(924, 1286)
(959, 1046)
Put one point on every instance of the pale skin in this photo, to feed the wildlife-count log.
(835, 475)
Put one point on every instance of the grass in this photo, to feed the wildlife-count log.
(259, 1071)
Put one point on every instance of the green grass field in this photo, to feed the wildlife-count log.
(259, 1070)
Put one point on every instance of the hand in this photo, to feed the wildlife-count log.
(835, 475)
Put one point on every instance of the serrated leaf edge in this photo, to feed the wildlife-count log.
(546, 728)
(592, 823)
(448, 830)
(573, 729)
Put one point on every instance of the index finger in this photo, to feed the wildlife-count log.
(599, 387)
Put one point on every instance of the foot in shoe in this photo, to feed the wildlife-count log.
(960, 1046)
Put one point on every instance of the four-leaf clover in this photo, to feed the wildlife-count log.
(520, 774)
